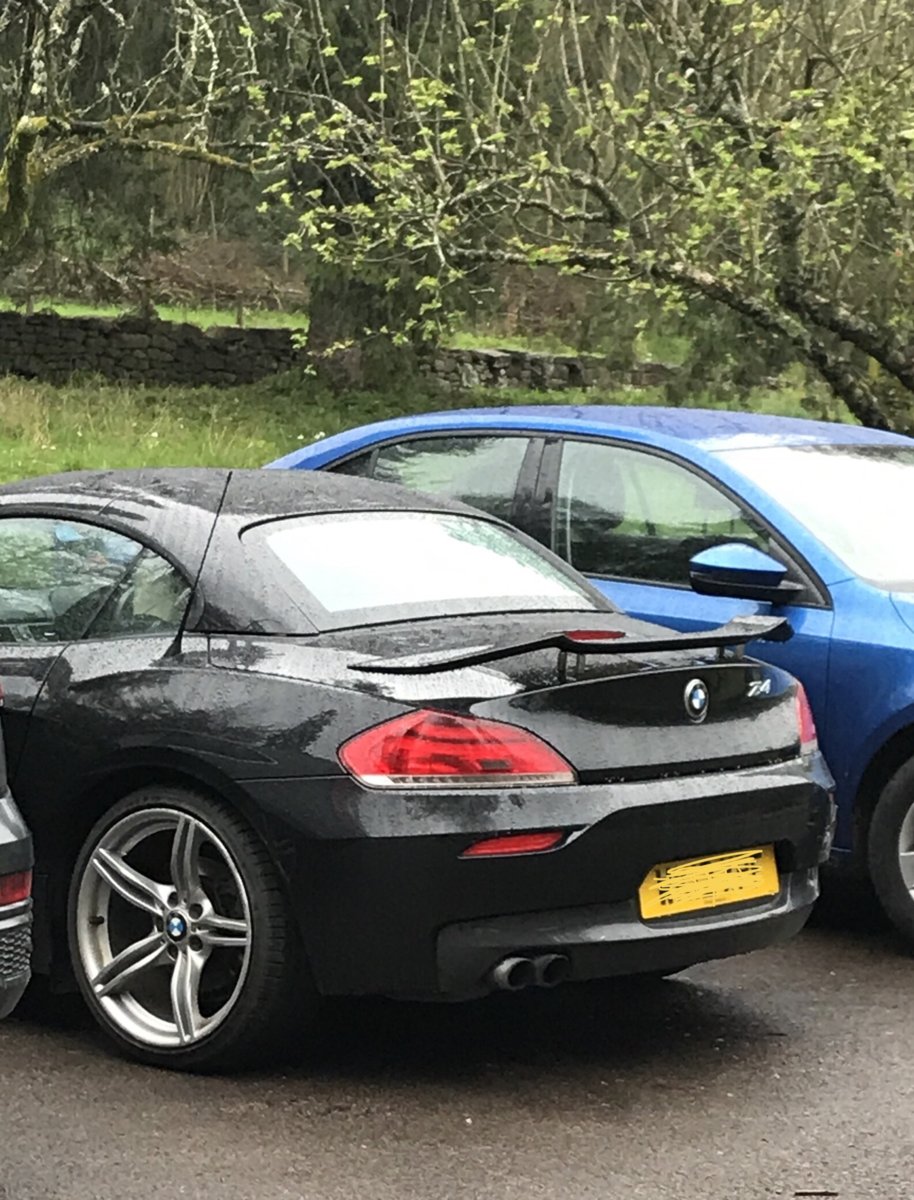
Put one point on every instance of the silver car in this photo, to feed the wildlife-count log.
(15, 897)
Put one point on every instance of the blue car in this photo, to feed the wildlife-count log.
(688, 517)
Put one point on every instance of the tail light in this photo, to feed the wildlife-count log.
(435, 749)
(15, 888)
(809, 739)
(594, 635)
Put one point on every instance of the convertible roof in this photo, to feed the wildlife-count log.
(174, 508)
(148, 491)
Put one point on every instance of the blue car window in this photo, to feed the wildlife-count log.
(482, 471)
(359, 465)
(856, 500)
(634, 515)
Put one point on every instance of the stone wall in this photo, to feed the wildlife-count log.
(132, 349)
(46, 346)
(542, 372)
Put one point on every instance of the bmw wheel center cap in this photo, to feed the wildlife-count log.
(696, 700)
(176, 926)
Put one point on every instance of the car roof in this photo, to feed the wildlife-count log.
(708, 427)
(150, 491)
(173, 509)
(707, 430)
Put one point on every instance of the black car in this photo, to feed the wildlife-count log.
(283, 738)
(15, 896)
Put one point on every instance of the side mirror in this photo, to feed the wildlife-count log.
(743, 572)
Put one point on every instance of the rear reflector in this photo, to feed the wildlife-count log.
(809, 739)
(15, 888)
(515, 843)
(443, 750)
(594, 635)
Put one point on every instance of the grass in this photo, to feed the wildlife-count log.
(88, 424)
(470, 339)
(205, 318)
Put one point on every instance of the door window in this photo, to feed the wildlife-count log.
(57, 577)
(151, 598)
(360, 465)
(481, 471)
(634, 515)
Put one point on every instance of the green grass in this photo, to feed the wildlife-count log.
(88, 424)
(470, 339)
(205, 318)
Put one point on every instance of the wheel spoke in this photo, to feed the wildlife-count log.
(134, 887)
(131, 962)
(185, 993)
(906, 861)
(185, 861)
(215, 931)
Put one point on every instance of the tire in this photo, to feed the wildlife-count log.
(890, 850)
(180, 935)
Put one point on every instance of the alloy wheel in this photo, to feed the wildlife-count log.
(163, 928)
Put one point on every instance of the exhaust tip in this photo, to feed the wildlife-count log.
(551, 969)
(514, 974)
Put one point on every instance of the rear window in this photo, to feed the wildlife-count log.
(352, 568)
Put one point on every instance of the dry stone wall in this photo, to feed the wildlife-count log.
(49, 347)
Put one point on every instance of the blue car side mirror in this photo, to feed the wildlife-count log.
(743, 572)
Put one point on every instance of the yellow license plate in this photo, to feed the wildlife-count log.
(671, 889)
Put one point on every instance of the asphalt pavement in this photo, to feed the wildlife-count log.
(788, 1073)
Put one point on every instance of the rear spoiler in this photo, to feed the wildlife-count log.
(737, 632)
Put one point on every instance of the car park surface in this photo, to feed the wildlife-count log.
(774, 1076)
(631, 495)
(261, 766)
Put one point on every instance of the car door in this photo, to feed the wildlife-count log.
(72, 701)
(83, 713)
(494, 472)
(55, 575)
(631, 519)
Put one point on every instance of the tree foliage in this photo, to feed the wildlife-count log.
(175, 81)
(754, 153)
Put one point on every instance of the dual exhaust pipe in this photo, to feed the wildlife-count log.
(516, 973)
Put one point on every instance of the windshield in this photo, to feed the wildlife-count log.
(857, 500)
(385, 566)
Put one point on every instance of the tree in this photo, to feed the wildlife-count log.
(178, 79)
(754, 153)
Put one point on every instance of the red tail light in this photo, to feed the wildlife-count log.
(15, 888)
(809, 739)
(594, 635)
(434, 749)
(515, 843)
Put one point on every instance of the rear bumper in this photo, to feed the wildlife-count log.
(15, 920)
(15, 955)
(386, 904)
(607, 940)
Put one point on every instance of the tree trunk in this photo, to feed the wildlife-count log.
(347, 320)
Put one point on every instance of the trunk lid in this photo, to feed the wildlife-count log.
(623, 714)
(645, 724)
